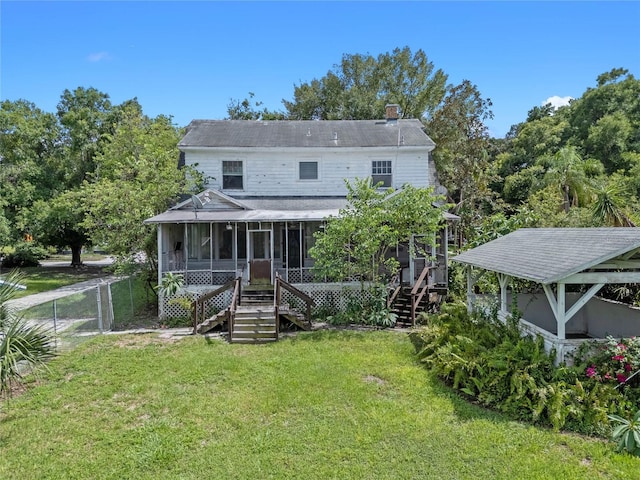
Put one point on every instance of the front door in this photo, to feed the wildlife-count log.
(260, 257)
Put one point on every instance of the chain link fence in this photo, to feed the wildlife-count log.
(117, 305)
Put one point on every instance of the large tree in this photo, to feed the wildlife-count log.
(138, 178)
(462, 152)
(361, 85)
(29, 156)
(578, 165)
(357, 243)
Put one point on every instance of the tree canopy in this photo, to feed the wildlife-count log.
(357, 244)
(359, 87)
(88, 175)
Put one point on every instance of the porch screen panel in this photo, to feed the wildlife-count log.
(241, 243)
(225, 240)
(309, 239)
(199, 241)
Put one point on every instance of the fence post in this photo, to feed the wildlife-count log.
(131, 298)
(99, 308)
(55, 322)
(55, 317)
(112, 319)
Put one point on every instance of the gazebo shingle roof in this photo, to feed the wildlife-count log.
(547, 255)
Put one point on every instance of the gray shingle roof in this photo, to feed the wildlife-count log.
(305, 133)
(547, 255)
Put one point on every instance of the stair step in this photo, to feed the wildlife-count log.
(253, 340)
(260, 334)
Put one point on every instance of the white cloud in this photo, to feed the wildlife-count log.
(98, 56)
(557, 101)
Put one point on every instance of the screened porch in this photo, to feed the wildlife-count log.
(213, 253)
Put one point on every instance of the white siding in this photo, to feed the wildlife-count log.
(274, 172)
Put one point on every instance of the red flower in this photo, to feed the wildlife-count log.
(619, 358)
(627, 367)
(621, 377)
(591, 371)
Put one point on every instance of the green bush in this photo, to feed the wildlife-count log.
(24, 254)
(371, 311)
(492, 363)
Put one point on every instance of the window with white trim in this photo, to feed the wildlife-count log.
(381, 172)
(232, 175)
(308, 170)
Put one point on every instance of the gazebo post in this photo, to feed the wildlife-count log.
(504, 283)
(561, 311)
(470, 296)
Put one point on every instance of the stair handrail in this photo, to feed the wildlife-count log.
(235, 298)
(416, 297)
(281, 283)
(198, 305)
(397, 276)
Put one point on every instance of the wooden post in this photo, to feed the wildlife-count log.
(504, 281)
(469, 289)
(561, 312)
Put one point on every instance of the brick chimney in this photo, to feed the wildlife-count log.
(392, 112)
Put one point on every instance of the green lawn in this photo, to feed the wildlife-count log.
(42, 279)
(322, 405)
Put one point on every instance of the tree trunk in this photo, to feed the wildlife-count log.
(76, 261)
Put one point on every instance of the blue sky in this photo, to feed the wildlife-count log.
(188, 59)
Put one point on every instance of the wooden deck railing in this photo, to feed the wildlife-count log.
(199, 305)
(235, 299)
(277, 300)
(418, 291)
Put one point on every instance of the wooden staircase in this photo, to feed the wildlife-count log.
(408, 302)
(254, 315)
(430, 302)
(254, 324)
(255, 319)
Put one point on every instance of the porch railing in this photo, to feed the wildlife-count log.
(418, 291)
(396, 278)
(235, 299)
(280, 284)
(199, 305)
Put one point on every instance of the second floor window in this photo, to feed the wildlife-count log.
(308, 170)
(381, 172)
(232, 175)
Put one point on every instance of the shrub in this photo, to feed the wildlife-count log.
(372, 310)
(491, 362)
(24, 254)
(616, 362)
(21, 344)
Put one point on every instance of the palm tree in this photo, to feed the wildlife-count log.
(567, 170)
(23, 347)
(607, 208)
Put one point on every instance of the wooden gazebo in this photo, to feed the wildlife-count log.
(556, 258)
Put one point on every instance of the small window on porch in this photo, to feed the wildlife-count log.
(381, 172)
(232, 175)
(308, 170)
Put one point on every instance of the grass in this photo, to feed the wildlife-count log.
(322, 405)
(42, 279)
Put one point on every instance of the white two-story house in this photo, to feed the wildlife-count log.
(272, 184)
